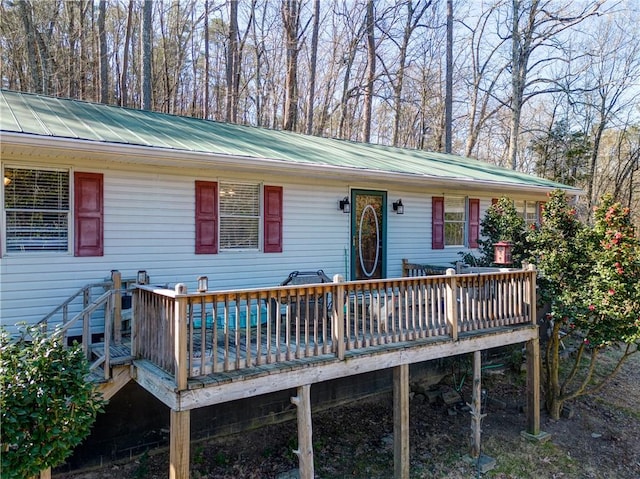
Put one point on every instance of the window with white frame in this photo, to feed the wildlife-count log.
(454, 221)
(528, 210)
(36, 209)
(239, 216)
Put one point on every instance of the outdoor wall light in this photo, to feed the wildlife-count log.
(142, 277)
(398, 207)
(203, 284)
(344, 205)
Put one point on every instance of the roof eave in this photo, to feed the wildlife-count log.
(157, 156)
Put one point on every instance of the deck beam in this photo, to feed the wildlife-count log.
(263, 380)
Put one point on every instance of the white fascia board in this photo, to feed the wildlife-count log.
(168, 157)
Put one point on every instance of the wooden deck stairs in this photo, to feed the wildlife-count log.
(95, 312)
(120, 369)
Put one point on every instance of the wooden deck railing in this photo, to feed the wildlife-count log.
(193, 334)
(91, 316)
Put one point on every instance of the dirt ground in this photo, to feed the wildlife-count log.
(600, 440)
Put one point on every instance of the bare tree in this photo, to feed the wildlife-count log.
(291, 21)
(146, 54)
(371, 75)
(614, 68)
(102, 40)
(533, 27)
(485, 73)
(125, 56)
(313, 65)
(233, 63)
(25, 13)
(448, 102)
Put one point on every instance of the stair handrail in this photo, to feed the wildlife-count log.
(100, 301)
(82, 291)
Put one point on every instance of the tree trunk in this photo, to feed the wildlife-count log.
(146, 54)
(205, 101)
(368, 91)
(125, 58)
(27, 20)
(312, 66)
(232, 64)
(448, 102)
(291, 20)
(517, 85)
(102, 40)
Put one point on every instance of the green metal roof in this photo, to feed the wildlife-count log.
(40, 115)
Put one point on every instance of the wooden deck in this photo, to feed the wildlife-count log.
(193, 350)
(189, 341)
(215, 388)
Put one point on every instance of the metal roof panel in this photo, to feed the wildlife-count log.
(43, 115)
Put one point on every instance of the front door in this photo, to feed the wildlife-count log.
(368, 234)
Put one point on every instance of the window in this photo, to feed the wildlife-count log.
(239, 216)
(528, 210)
(230, 216)
(454, 221)
(452, 218)
(36, 208)
(38, 213)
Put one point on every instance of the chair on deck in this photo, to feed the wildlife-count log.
(301, 278)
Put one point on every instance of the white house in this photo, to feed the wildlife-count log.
(89, 188)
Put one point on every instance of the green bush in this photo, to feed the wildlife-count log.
(500, 223)
(46, 402)
(590, 276)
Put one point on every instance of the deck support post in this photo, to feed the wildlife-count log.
(452, 303)
(533, 387)
(44, 474)
(305, 431)
(179, 442)
(401, 422)
(476, 406)
(116, 279)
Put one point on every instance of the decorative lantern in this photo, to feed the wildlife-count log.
(142, 277)
(398, 207)
(502, 252)
(203, 284)
(344, 205)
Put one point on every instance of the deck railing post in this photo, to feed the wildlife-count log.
(452, 302)
(107, 337)
(116, 279)
(533, 293)
(337, 331)
(180, 338)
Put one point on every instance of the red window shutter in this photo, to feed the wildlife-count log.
(474, 222)
(273, 219)
(206, 217)
(88, 214)
(540, 209)
(437, 222)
